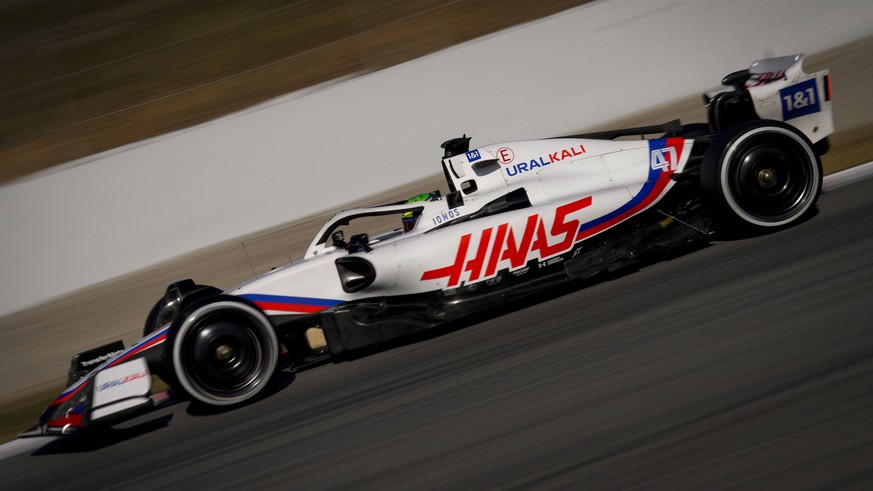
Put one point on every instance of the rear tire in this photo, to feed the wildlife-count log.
(223, 351)
(760, 175)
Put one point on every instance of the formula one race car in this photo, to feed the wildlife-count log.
(518, 217)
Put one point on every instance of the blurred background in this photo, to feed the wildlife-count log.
(83, 76)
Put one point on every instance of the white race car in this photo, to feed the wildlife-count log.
(519, 217)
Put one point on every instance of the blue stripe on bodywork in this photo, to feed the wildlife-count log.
(651, 180)
(316, 302)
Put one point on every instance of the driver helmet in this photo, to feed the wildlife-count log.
(409, 218)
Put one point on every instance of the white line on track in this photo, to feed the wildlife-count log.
(24, 445)
(840, 179)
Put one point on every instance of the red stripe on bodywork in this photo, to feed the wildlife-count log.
(290, 307)
(71, 419)
(64, 398)
(828, 87)
(158, 340)
(638, 202)
(115, 361)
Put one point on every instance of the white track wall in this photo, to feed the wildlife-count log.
(117, 212)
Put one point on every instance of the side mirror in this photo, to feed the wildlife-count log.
(359, 243)
(338, 239)
(736, 79)
(454, 199)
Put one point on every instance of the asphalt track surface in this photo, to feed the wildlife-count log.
(745, 364)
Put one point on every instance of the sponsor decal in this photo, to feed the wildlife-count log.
(446, 216)
(522, 167)
(101, 358)
(550, 262)
(764, 78)
(121, 381)
(504, 245)
(145, 343)
(542, 161)
(473, 156)
(505, 155)
(664, 159)
(537, 239)
(655, 186)
(800, 99)
(566, 153)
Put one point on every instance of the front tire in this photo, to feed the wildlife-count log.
(223, 351)
(178, 296)
(760, 175)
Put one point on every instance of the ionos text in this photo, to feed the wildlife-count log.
(446, 216)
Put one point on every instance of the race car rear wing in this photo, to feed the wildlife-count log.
(777, 89)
